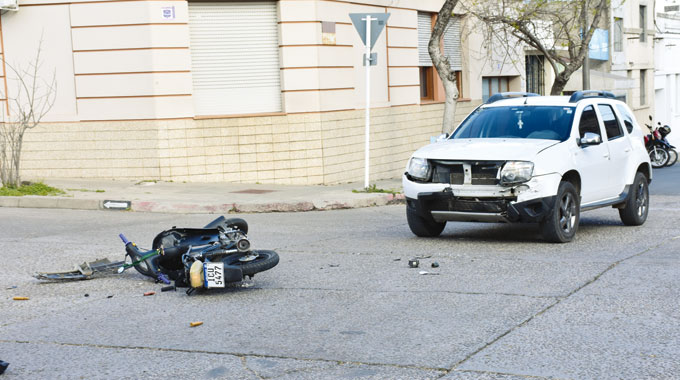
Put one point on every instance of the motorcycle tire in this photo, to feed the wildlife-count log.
(658, 157)
(672, 157)
(266, 260)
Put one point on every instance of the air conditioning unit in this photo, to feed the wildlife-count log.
(10, 5)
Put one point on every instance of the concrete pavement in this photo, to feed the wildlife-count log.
(219, 198)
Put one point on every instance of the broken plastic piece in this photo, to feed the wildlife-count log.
(435, 265)
(149, 294)
(413, 263)
(3, 366)
(168, 288)
(20, 298)
(194, 324)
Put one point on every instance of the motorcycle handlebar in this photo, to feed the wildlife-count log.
(124, 239)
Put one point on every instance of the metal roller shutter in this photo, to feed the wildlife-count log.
(235, 57)
(424, 33)
(452, 44)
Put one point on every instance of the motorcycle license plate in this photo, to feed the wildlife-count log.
(214, 275)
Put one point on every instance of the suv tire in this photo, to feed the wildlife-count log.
(561, 223)
(637, 203)
(421, 226)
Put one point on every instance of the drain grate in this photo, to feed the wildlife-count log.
(253, 191)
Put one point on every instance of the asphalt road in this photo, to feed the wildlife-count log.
(343, 304)
(666, 181)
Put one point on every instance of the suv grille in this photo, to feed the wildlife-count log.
(479, 172)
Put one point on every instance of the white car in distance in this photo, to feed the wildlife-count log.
(520, 157)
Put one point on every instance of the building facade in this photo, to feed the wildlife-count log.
(667, 72)
(254, 91)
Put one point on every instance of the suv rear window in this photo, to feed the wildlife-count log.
(521, 122)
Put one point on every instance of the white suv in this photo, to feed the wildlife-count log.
(521, 157)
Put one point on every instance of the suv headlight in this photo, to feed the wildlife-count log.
(419, 168)
(516, 172)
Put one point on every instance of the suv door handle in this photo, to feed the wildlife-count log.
(606, 155)
(627, 150)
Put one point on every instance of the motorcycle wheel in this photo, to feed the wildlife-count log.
(658, 157)
(672, 157)
(264, 261)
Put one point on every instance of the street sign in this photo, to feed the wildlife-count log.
(378, 21)
(369, 26)
(117, 205)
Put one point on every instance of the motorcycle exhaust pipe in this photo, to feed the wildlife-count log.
(243, 245)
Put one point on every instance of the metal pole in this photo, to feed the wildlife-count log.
(367, 62)
(585, 69)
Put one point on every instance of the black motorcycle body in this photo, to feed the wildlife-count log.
(224, 241)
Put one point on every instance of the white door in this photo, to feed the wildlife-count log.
(620, 150)
(235, 57)
(593, 160)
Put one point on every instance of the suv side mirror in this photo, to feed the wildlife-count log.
(590, 138)
(442, 137)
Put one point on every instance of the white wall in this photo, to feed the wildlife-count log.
(667, 75)
(22, 32)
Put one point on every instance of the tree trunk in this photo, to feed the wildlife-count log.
(561, 80)
(442, 65)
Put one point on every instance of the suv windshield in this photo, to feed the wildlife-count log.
(520, 122)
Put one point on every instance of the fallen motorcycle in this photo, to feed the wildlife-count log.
(195, 258)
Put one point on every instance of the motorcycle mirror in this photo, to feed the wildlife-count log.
(650, 117)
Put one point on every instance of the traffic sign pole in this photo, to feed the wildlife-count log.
(368, 20)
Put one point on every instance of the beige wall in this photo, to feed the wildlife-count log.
(125, 105)
(310, 148)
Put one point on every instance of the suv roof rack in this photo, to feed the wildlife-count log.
(579, 95)
(508, 95)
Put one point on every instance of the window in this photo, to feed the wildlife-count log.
(643, 87)
(627, 119)
(424, 61)
(618, 34)
(611, 124)
(534, 72)
(451, 49)
(588, 122)
(643, 23)
(493, 85)
(518, 122)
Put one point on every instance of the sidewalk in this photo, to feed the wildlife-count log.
(219, 198)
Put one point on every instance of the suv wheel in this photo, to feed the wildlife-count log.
(562, 221)
(421, 226)
(637, 203)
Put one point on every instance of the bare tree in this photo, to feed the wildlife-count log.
(442, 64)
(33, 99)
(554, 28)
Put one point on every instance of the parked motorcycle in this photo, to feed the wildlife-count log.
(200, 258)
(656, 147)
(664, 131)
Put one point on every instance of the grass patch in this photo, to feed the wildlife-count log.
(374, 189)
(36, 188)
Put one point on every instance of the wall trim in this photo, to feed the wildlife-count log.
(136, 72)
(316, 67)
(126, 49)
(320, 89)
(123, 25)
(131, 96)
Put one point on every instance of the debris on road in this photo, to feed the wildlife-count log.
(20, 298)
(149, 294)
(425, 273)
(194, 324)
(3, 366)
(333, 265)
(413, 263)
(435, 265)
(11, 287)
(168, 288)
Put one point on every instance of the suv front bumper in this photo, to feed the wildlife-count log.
(525, 203)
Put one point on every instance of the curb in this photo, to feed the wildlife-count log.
(203, 208)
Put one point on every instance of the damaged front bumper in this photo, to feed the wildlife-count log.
(529, 202)
(444, 206)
